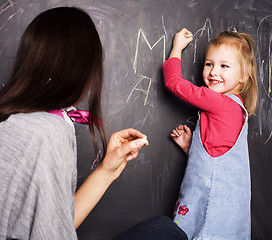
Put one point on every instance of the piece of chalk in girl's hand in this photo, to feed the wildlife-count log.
(189, 35)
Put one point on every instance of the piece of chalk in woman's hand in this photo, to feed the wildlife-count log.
(146, 141)
(142, 141)
(188, 35)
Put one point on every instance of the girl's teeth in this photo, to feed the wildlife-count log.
(213, 81)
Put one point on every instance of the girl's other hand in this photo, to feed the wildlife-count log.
(123, 146)
(182, 135)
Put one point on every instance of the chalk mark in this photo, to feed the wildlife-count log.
(268, 138)
(269, 67)
(141, 33)
(10, 17)
(207, 27)
(191, 121)
(146, 92)
(3, 8)
(163, 25)
(269, 90)
(261, 23)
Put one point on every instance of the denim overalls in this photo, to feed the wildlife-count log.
(214, 198)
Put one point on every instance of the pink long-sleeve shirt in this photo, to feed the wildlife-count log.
(221, 118)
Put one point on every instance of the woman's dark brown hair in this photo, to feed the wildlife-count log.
(58, 60)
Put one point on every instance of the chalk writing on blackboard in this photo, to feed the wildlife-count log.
(262, 65)
(4, 8)
(163, 25)
(143, 78)
(268, 138)
(269, 68)
(141, 33)
(207, 27)
(145, 91)
(264, 40)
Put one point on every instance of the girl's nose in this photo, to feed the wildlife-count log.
(214, 71)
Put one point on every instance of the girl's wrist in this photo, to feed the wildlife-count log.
(175, 53)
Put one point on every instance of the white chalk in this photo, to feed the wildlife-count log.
(189, 35)
(145, 138)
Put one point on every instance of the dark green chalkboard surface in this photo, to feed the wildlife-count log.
(137, 37)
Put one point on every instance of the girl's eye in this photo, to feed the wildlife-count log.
(208, 64)
(224, 66)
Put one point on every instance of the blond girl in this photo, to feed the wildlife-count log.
(214, 199)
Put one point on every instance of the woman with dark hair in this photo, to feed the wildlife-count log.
(59, 61)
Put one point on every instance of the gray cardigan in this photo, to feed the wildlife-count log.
(37, 177)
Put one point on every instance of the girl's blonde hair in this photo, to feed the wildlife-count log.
(244, 44)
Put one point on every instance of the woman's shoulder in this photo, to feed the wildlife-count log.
(39, 124)
(29, 138)
(43, 120)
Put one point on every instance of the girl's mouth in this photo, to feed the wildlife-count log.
(214, 81)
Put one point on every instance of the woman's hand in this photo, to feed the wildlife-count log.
(123, 146)
(181, 40)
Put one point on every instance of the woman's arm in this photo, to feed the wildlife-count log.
(123, 146)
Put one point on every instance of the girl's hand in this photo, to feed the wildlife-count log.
(181, 40)
(123, 146)
(182, 135)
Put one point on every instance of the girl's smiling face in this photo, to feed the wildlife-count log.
(222, 70)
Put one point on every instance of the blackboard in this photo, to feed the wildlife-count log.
(137, 37)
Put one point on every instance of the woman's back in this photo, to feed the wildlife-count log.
(37, 177)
